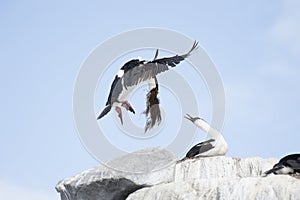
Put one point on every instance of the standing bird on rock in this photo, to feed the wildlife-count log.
(289, 164)
(133, 73)
(214, 146)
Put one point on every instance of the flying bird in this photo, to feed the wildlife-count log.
(214, 146)
(135, 72)
(289, 164)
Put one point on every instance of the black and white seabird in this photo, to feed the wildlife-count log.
(289, 164)
(214, 146)
(135, 72)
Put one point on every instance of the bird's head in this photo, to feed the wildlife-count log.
(199, 122)
(192, 119)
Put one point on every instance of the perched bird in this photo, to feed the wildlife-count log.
(214, 146)
(133, 73)
(152, 111)
(289, 164)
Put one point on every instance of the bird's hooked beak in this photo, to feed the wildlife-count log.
(189, 117)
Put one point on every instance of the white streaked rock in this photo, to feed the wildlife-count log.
(201, 178)
(247, 188)
(221, 166)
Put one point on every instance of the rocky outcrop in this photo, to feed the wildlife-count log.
(222, 167)
(279, 187)
(120, 176)
(153, 174)
(108, 189)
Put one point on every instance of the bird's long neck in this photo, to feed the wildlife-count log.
(212, 133)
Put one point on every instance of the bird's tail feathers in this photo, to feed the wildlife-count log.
(105, 111)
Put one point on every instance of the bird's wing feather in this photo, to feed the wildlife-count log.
(104, 112)
(115, 90)
(205, 142)
(150, 69)
(295, 164)
(200, 148)
(289, 157)
(292, 160)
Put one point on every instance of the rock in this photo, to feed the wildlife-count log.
(149, 166)
(153, 174)
(220, 167)
(108, 189)
(259, 188)
(128, 173)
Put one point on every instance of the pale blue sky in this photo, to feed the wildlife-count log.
(255, 46)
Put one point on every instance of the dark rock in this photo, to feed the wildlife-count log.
(107, 189)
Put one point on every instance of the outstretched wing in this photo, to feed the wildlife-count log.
(200, 148)
(148, 70)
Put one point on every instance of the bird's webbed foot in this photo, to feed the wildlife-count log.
(119, 111)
